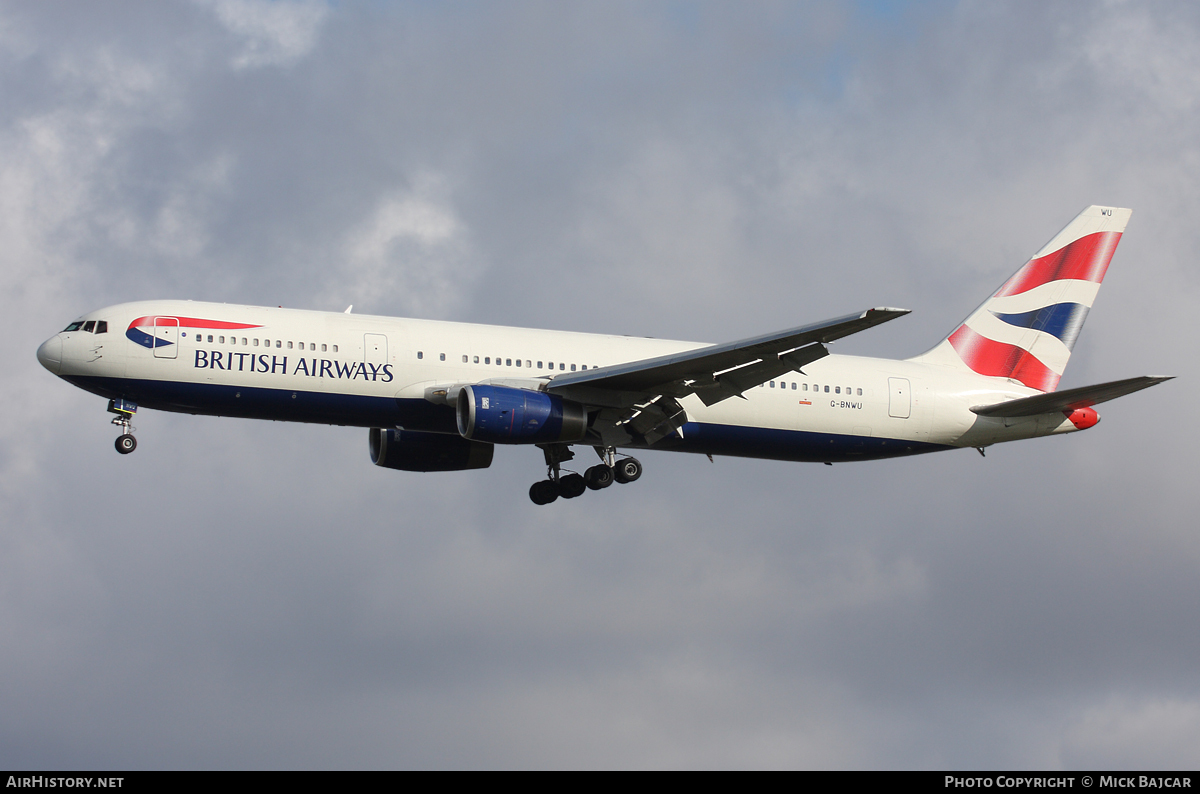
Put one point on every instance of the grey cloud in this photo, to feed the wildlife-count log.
(242, 594)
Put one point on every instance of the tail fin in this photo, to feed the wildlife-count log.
(1027, 329)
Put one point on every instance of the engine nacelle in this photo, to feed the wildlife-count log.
(501, 415)
(409, 450)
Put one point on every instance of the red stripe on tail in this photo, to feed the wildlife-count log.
(1000, 359)
(1086, 259)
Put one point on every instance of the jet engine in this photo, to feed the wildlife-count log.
(409, 450)
(502, 415)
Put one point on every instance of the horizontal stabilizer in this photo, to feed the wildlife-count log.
(1069, 400)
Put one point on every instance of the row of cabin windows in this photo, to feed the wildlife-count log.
(815, 387)
(279, 343)
(89, 327)
(101, 327)
(510, 362)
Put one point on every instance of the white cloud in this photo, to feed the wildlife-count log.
(272, 33)
(265, 576)
(54, 194)
(1130, 732)
(1136, 49)
(411, 256)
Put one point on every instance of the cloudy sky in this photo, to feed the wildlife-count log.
(242, 594)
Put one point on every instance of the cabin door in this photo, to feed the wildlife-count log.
(899, 398)
(166, 337)
(375, 349)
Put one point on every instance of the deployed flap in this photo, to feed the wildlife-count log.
(716, 372)
(1068, 400)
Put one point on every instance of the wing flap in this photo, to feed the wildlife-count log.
(1068, 400)
(723, 371)
(732, 383)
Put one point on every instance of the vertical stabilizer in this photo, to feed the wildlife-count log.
(1027, 329)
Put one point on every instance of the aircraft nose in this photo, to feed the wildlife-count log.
(50, 354)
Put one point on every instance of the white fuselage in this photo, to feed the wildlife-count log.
(368, 371)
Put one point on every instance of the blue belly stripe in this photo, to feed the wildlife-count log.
(354, 410)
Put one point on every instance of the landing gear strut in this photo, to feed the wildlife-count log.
(124, 410)
(569, 486)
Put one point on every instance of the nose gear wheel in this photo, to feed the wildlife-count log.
(124, 410)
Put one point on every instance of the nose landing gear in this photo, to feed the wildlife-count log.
(124, 410)
(569, 486)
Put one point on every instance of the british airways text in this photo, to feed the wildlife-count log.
(312, 367)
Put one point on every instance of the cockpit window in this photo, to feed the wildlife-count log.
(88, 327)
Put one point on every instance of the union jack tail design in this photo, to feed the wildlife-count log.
(1027, 329)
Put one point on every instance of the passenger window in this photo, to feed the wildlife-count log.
(572, 367)
(256, 342)
(243, 341)
(102, 326)
(476, 360)
(487, 359)
(837, 389)
(793, 387)
(827, 390)
(441, 356)
(335, 348)
(289, 343)
(539, 365)
(278, 343)
(860, 392)
(464, 359)
(420, 355)
(518, 362)
(561, 366)
(210, 337)
(584, 367)
(772, 384)
(89, 326)
(323, 347)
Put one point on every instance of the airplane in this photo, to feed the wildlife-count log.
(439, 396)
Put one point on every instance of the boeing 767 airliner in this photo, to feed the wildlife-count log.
(438, 396)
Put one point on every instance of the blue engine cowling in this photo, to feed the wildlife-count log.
(501, 415)
(409, 450)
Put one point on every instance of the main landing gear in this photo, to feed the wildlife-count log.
(124, 410)
(569, 486)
